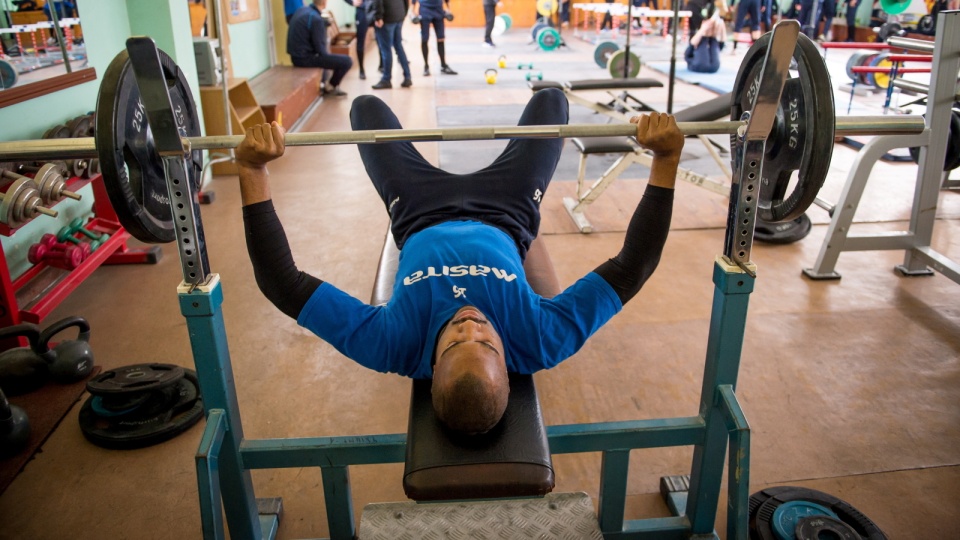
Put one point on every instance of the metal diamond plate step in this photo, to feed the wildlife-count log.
(566, 516)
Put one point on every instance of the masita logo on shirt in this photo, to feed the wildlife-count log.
(459, 271)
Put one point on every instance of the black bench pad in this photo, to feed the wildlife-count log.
(604, 145)
(716, 108)
(511, 460)
(612, 84)
(540, 85)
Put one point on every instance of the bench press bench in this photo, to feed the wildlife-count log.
(620, 107)
(631, 153)
(513, 459)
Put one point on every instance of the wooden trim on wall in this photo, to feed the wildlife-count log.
(29, 91)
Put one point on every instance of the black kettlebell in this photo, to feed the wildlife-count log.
(70, 360)
(21, 369)
(14, 428)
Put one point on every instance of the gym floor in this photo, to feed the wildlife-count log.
(851, 387)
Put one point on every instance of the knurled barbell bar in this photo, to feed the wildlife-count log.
(801, 139)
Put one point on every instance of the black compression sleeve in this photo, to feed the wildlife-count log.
(646, 235)
(273, 266)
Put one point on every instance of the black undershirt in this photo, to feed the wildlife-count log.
(289, 288)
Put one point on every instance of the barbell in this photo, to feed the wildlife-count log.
(133, 171)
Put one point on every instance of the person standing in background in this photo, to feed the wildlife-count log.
(362, 25)
(388, 22)
(432, 12)
(290, 7)
(852, 20)
(489, 14)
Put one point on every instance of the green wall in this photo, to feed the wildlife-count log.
(106, 26)
(250, 44)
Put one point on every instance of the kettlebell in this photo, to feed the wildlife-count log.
(502, 62)
(70, 360)
(490, 75)
(21, 369)
(447, 15)
(14, 428)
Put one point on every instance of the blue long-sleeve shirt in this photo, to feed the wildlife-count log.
(307, 35)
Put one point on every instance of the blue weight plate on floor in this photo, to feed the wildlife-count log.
(601, 55)
(787, 515)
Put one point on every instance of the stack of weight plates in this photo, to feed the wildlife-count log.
(140, 405)
(788, 513)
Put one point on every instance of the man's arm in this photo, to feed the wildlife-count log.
(276, 274)
(318, 34)
(647, 233)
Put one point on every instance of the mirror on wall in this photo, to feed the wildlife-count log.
(41, 41)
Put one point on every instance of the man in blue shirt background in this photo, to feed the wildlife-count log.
(308, 46)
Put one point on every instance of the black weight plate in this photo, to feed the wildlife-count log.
(135, 379)
(817, 527)
(785, 232)
(927, 25)
(131, 167)
(952, 159)
(764, 503)
(177, 414)
(802, 136)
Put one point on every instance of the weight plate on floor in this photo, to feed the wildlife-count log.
(865, 60)
(499, 26)
(786, 516)
(131, 167)
(764, 503)
(785, 232)
(536, 30)
(927, 25)
(952, 159)
(548, 39)
(616, 63)
(135, 379)
(801, 141)
(601, 55)
(507, 19)
(8, 75)
(169, 412)
(823, 527)
(855, 60)
(880, 80)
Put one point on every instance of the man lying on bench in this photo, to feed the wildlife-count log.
(462, 312)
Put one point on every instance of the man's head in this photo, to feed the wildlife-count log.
(470, 384)
(321, 4)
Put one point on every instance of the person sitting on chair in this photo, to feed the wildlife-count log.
(462, 311)
(308, 46)
(703, 52)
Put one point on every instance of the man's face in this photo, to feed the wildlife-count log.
(468, 343)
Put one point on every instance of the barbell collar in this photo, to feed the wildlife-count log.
(85, 147)
(911, 44)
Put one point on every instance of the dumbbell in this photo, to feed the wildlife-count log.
(525, 66)
(447, 15)
(490, 76)
(22, 202)
(415, 19)
(49, 179)
(71, 359)
(538, 75)
(67, 258)
(76, 226)
(14, 428)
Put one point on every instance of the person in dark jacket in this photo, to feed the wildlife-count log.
(363, 24)
(308, 46)
(432, 12)
(388, 23)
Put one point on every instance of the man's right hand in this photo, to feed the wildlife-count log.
(659, 133)
(262, 144)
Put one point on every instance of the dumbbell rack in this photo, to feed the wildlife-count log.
(920, 259)
(19, 301)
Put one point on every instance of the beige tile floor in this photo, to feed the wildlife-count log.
(851, 387)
